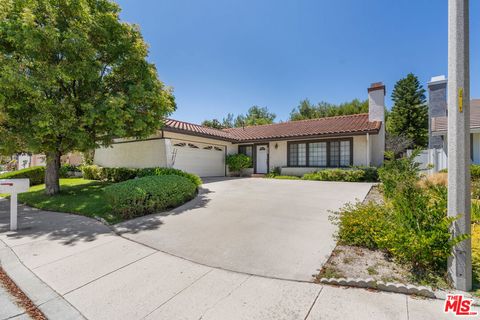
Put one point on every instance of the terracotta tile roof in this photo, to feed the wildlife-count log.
(340, 125)
(324, 126)
(440, 124)
(185, 127)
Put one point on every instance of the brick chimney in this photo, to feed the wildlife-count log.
(376, 112)
(437, 107)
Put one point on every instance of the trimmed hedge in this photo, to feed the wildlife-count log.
(367, 174)
(35, 174)
(93, 172)
(138, 197)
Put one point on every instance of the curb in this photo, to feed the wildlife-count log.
(53, 305)
(370, 283)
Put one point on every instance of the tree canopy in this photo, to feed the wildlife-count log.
(255, 116)
(73, 77)
(307, 110)
(409, 114)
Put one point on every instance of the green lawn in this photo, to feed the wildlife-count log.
(77, 195)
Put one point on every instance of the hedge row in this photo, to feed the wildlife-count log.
(94, 172)
(358, 174)
(138, 197)
(35, 174)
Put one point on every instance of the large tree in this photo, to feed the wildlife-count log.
(255, 116)
(73, 77)
(409, 114)
(307, 110)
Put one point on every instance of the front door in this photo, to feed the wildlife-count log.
(261, 159)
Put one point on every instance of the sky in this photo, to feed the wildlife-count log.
(224, 56)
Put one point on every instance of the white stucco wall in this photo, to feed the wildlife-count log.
(377, 147)
(360, 150)
(278, 156)
(135, 154)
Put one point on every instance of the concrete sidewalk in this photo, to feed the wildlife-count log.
(74, 268)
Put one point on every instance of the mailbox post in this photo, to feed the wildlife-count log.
(14, 187)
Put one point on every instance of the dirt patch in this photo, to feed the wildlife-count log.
(21, 298)
(357, 262)
(375, 195)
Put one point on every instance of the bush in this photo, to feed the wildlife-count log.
(118, 174)
(35, 174)
(394, 171)
(94, 172)
(475, 171)
(91, 172)
(138, 197)
(66, 170)
(349, 175)
(238, 162)
(170, 171)
(360, 224)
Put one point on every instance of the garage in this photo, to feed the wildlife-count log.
(205, 160)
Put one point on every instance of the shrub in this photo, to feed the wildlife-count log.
(118, 174)
(238, 162)
(170, 171)
(35, 174)
(475, 171)
(138, 197)
(66, 170)
(419, 228)
(91, 172)
(399, 170)
(350, 175)
(360, 224)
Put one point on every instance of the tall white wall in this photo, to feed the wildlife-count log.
(135, 154)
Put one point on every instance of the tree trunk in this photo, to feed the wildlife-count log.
(52, 182)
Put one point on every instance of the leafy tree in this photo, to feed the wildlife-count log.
(227, 122)
(255, 116)
(73, 77)
(307, 110)
(409, 114)
(214, 123)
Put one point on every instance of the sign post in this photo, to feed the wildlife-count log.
(14, 187)
(459, 198)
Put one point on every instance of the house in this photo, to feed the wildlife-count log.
(295, 147)
(438, 120)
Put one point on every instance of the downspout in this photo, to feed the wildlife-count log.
(368, 149)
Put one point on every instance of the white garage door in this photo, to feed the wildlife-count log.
(206, 160)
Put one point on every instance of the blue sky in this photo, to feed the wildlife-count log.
(225, 56)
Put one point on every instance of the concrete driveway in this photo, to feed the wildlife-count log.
(273, 228)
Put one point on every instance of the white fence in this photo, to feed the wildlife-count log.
(431, 160)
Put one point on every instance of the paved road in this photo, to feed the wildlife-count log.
(268, 227)
(75, 268)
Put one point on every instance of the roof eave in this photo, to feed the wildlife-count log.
(309, 136)
(198, 134)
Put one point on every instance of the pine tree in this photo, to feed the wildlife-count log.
(409, 115)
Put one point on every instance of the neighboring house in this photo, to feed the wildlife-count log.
(296, 147)
(26, 160)
(438, 120)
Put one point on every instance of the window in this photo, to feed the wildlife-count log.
(298, 154)
(317, 154)
(246, 150)
(324, 153)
